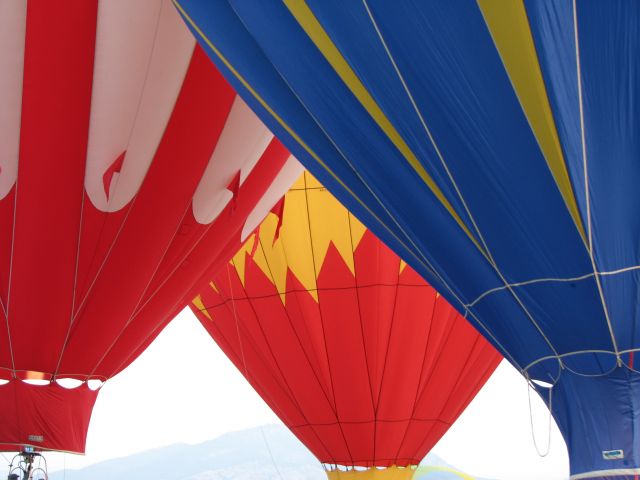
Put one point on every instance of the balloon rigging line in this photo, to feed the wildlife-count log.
(146, 288)
(586, 182)
(109, 198)
(364, 347)
(13, 244)
(555, 279)
(285, 385)
(426, 128)
(300, 343)
(533, 434)
(487, 252)
(324, 337)
(73, 292)
(246, 370)
(419, 391)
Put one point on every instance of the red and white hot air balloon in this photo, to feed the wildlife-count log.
(123, 155)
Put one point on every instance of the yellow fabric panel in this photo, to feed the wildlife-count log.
(312, 220)
(292, 250)
(509, 27)
(391, 473)
(329, 223)
(403, 264)
(199, 304)
(309, 23)
(239, 259)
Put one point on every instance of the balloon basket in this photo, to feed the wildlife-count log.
(28, 465)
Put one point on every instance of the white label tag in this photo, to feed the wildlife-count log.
(36, 438)
(612, 454)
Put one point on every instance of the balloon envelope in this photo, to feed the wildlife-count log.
(362, 359)
(510, 127)
(122, 153)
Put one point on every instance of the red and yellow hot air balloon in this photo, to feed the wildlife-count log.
(363, 360)
(123, 156)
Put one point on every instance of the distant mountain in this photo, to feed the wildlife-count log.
(243, 455)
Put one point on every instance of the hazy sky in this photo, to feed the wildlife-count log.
(183, 389)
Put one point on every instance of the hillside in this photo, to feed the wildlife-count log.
(234, 456)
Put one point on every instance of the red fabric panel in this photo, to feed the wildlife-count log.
(185, 262)
(90, 289)
(6, 235)
(47, 417)
(402, 363)
(197, 120)
(58, 71)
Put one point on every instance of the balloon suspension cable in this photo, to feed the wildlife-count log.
(533, 433)
(28, 465)
(246, 370)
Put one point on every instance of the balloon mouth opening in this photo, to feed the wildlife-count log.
(337, 467)
(42, 379)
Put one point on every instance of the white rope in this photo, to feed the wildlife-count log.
(586, 183)
(533, 433)
(13, 243)
(554, 279)
(486, 253)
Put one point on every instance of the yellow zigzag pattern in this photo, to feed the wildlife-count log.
(312, 219)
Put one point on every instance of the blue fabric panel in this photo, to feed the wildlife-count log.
(609, 37)
(360, 140)
(622, 292)
(447, 56)
(517, 332)
(460, 86)
(552, 28)
(597, 414)
(562, 308)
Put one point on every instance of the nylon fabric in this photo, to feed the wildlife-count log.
(548, 274)
(365, 362)
(99, 233)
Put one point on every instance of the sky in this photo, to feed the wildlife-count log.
(183, 389)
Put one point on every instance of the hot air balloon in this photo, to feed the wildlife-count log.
(362, 359)
(123, 154)
(510, 127)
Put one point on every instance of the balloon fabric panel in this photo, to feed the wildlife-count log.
(362, 359)
(513, 130)
(117, 172)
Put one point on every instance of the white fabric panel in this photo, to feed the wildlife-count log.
(242, 142)
(143, 50)
(13, 22)
(290, 172)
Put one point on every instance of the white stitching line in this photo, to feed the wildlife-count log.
(426, 129)
(488, 256)
(578, 352)
(586, 181)
(552, 279)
